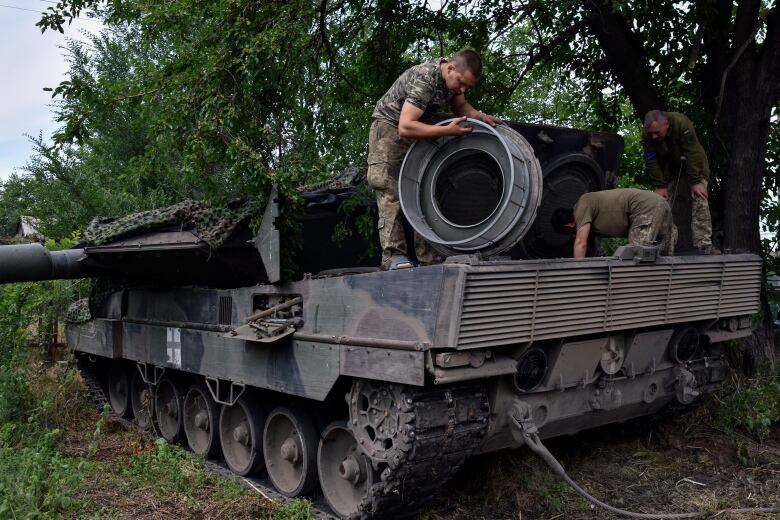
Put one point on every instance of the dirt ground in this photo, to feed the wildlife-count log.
(671, 463)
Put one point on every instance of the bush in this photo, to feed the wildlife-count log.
(15, 396)
(749, 406)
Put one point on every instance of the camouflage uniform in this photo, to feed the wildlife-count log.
(663, 163)
(423, 87)
(641, 215)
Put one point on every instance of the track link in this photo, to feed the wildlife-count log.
(438, 430)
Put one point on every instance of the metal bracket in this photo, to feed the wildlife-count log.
(474, 259)
(156, 375)
(521, 421)
(222, 395)
(638, 253)
(267, 239)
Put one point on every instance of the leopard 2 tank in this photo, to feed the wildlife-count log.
(372, 388)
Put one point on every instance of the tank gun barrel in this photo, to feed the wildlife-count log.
(33, 262)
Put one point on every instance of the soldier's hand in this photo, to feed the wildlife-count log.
(454, 128)
(699, 191)
(491, 120)
(663, 191)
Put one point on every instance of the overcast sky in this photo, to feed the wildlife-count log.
(29, 61)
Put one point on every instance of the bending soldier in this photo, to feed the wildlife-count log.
(641, 215)
(672, 149)
(428, 87)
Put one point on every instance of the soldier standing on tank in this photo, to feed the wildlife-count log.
(642, 216)
(424, 88)
(671, 150)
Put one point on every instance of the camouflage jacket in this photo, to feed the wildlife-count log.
(421, 85)
(662, 158)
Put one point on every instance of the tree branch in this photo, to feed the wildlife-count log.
(748, 11)
(624, 53)
(539, 51)
(331, 57)
(770, 54)
(696, 46)
(740, 51)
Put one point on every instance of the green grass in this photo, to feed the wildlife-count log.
(60, 458)
(36, 479)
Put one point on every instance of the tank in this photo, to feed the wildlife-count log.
(372, 388)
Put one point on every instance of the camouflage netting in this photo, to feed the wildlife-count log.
(212, 225)
(79, 311)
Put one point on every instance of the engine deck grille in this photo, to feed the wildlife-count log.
(572, 300)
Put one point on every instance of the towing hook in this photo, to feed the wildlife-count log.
(525, 431)
(522, 421)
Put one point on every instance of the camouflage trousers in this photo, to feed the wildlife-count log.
(386, 151)
(649, 228)
(701, 222)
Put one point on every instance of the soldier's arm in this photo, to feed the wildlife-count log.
(410, 126)
(462, 108)
(652, 166)
(581, 241)
(696, 159)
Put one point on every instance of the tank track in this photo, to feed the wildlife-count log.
(94, 389)
(438, 431)
(319, 509)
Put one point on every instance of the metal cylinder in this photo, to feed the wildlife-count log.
(475, 193)
(567, 176)
(33, 262)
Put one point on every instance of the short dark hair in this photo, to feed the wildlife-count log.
(655, 116)
(560, 218)
(468, 59)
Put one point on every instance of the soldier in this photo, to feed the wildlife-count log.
(641, 215)
(671, 150)
(421, 89)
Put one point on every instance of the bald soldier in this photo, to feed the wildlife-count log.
(421, 89)
(672, 150)
(643, 216)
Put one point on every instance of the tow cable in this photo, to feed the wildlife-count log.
(525, 431)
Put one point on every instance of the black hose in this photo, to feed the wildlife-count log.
(533, 441)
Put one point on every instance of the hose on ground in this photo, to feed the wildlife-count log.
(529, 433)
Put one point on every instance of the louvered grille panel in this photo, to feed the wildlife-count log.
(225, 310)
(545, 301)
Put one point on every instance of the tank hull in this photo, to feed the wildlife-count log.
(463, 321)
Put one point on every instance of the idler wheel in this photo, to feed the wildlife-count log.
(345, 472)
(201, 421)
(290, 450)
(119, 389)
(475, 193)
(168, 404)
(241, 432)
(142, 400)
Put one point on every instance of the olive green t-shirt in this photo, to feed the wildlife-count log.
(610, 212)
